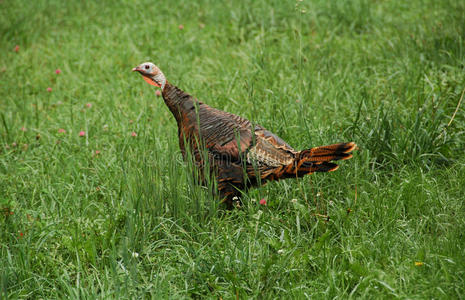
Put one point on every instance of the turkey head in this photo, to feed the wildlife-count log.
(151, 74)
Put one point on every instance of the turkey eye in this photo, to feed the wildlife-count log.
(147, 67)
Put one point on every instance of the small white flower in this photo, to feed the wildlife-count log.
(280, 251)
(294, 201)
(135, 254)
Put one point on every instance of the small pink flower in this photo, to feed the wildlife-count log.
(16, 48)
(263, 201)
(23, 128)
(133, 134)
(49, 89)
(89, 105)
(57, 71)
(82, 133)
(61, 130)
(181, 27)
(157, 93)
(97, 152)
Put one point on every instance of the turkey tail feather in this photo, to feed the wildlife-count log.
(327, 153)
(318, 159)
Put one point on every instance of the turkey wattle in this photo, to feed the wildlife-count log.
(239, 155)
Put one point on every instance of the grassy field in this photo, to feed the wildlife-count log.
(95, 201)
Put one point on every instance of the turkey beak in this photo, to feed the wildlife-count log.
(138, 69)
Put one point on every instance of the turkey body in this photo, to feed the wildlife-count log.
(237, 153)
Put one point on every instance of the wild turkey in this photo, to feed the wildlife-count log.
(239, 154)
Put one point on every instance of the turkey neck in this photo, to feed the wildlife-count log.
(179, 102)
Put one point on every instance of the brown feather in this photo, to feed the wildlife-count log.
(238, 155)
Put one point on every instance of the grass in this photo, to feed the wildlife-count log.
(130, 222)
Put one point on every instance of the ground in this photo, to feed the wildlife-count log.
(96, 201)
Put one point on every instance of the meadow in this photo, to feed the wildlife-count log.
(96, 202)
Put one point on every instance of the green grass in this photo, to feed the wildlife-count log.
(131, 223)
